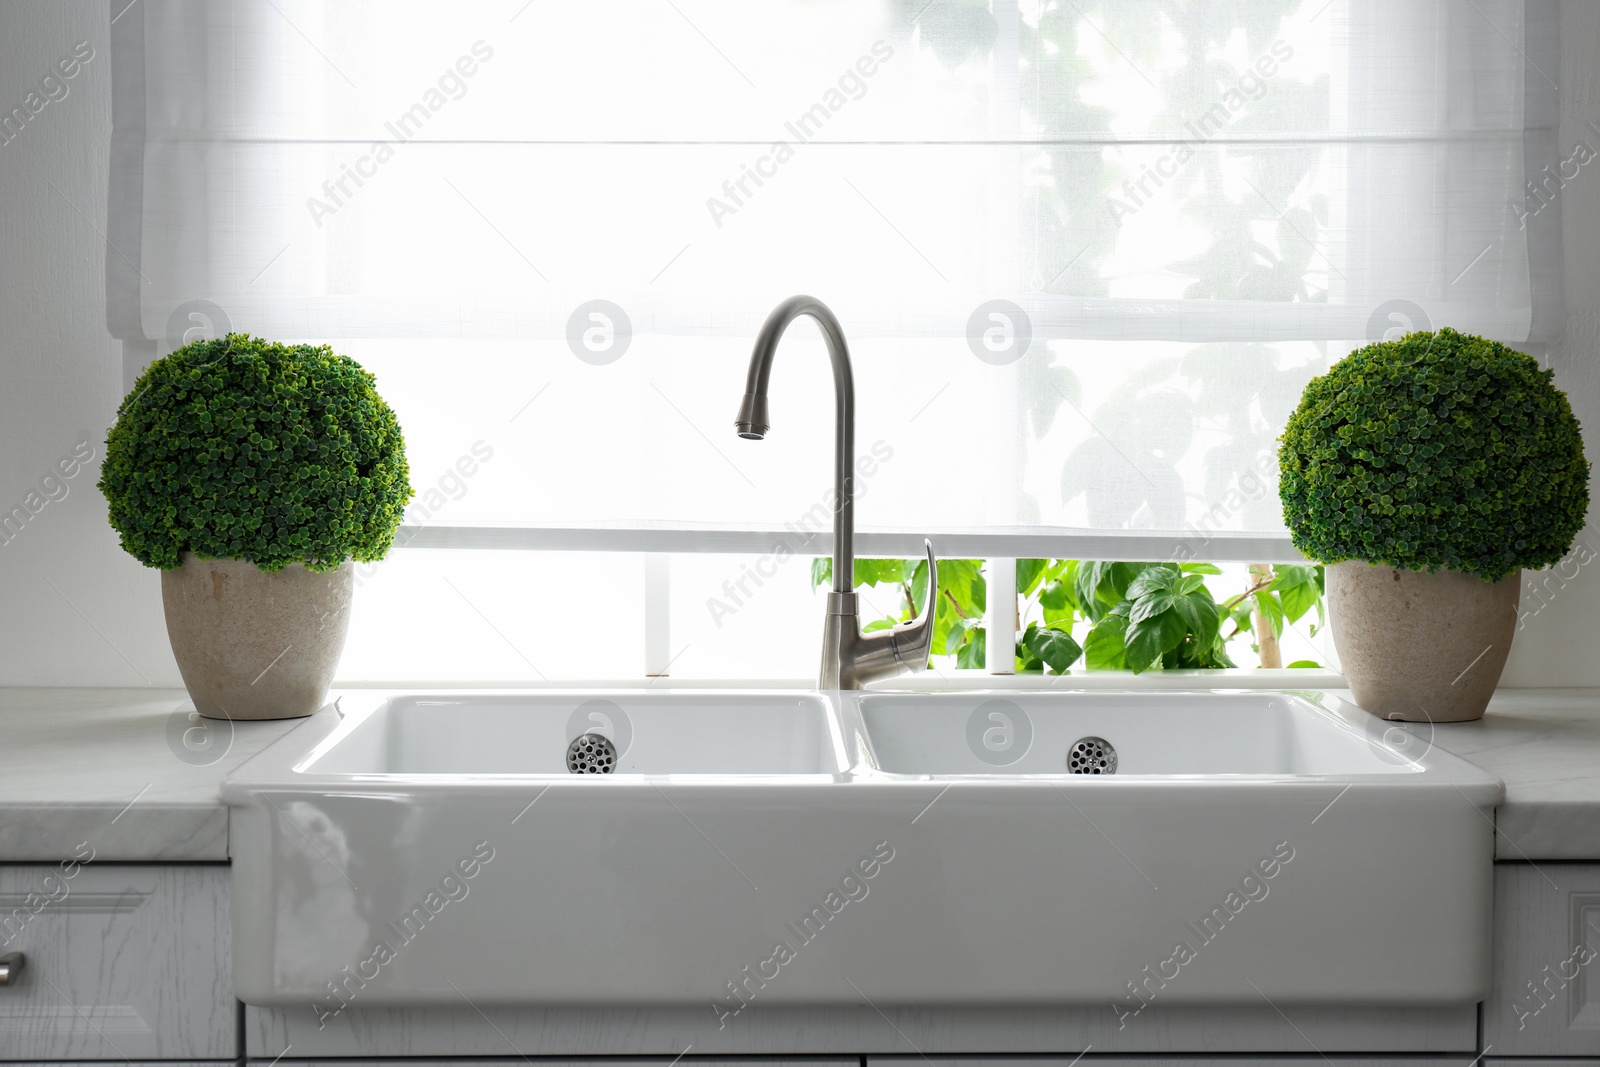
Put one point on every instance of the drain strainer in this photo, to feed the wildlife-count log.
(591, 754)
(1091, 755)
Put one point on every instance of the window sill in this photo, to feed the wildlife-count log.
(1235, 678)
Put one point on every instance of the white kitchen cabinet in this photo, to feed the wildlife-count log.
(1546, 995)
(121, 962)
(131, 963)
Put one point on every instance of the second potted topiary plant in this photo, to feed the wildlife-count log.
(252, 474)
(1427, 471)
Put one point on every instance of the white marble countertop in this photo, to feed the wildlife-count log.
(1544, 744)
(126, 770)
(132, 773)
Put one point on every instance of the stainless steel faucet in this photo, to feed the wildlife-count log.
(850, 658)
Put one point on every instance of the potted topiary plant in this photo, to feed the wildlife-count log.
(252, 474)
(1427, 471)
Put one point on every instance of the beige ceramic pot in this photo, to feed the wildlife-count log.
(1421, 647)
(254, 645)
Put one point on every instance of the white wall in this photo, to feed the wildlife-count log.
(1558, 644)
(75, 610)
(61, 373)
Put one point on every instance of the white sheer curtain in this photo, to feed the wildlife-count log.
(1186, 209)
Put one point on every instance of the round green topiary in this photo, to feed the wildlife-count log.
(245, 449)
(1439, 451)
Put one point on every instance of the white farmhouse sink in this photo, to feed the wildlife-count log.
(898, 848)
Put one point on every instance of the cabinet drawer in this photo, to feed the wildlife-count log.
(1545, 1000)
(121, 963)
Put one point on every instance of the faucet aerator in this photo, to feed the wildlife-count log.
(751, 421)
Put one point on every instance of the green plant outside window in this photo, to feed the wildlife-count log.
(1102, 615)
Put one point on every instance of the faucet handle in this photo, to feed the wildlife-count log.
(913, 641)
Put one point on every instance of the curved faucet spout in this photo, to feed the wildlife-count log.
(849, 657)
(753, 424)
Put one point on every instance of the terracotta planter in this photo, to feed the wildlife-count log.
(253, 645)
(1421, 647)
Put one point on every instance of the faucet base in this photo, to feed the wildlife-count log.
(850, 658)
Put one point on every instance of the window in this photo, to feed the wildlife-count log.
(1086, 253)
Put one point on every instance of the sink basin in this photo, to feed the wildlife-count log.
(753, 734)
(932, 848)
(1192, 734)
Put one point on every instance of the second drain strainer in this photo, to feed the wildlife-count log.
(1091, 755)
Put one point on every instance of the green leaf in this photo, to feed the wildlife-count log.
(1054, 647)
(865, 572)
(946, 637)
(821, 572)
(880, 624)
(973, 655)
(1056, 596)
(1104, 648)
(1200, 616)
(1272, 609)
(1297, 587)
(1212, 658)
(1305, 663)
(1299, 599)
(1151, 604)
(1029, 571)
(919, 585)
(881, 571)
(1199, 568)
(1024, 659)
(1057, 604)
(963, 580)
(1285, 575)
(1066, 572)
(1147, 641)
(949, 626)
(1086, 584)
(1093, 610)
(1122, 575)
(1156, 578)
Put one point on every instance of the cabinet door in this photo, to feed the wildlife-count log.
(120, 963)
(1546, 995)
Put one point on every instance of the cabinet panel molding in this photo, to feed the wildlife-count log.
(121, 963)
(1545, 999)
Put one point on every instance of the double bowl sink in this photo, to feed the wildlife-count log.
(786, 847)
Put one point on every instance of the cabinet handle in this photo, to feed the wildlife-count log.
(10, 965)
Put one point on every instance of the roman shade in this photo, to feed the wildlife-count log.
(1086, 253)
